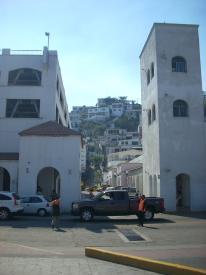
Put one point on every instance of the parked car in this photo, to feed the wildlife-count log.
(115, 203)
(9, 205)
(36, 204)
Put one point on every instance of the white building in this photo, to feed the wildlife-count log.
(121, 157)
(117, 109)
(174, 131)
(37, 149)
(98, 113)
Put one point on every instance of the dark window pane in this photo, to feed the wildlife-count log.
(152, 70)
(180, 108)
(120, 196)
(4, 197)
(19, 108)
(149, 117)
(179, 64)
(25, 200)
(25, 76)
(148, 77)
(35, 200)
(153, 112)
(57, 83)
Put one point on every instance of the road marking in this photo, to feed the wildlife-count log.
(142, 235)
(34, 248)
(125, 239)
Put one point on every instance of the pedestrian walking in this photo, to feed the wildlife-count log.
(55, 204)
(53, 194)
(141, 210)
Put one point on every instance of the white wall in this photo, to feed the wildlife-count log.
(61, 153)
(174, 145)
(150, 133)
(47, 93)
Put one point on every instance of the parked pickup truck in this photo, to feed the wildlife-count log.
(115, 203)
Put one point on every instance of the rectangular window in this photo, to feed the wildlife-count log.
(57, 114)
(120, 196)
(23, 108)
(61, 99)
(57, 83)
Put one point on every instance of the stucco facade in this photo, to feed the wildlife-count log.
(37, 148)
(173, 126)
(59, 153)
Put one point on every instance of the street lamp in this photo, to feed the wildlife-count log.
(47, 34)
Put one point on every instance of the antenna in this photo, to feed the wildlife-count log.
(47, 34)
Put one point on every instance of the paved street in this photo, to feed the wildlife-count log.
(29, 246)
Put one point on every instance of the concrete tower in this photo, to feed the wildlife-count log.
(174, 140)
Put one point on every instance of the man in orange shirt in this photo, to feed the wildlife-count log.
(141, 210)
(55, 204)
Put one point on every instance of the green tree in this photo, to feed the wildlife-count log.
(125, 123)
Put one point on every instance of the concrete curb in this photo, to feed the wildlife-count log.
(142, 263)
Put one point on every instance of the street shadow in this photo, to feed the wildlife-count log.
(150, 227)
(65, 225)
(123, 221)
(60, 230)
(98, 225)
(188, 213)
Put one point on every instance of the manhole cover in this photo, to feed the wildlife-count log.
(131, 235)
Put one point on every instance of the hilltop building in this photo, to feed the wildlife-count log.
(103, 112)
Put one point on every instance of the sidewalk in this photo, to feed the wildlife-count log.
(194, 256)
(165, 260)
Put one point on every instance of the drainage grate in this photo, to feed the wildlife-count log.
(131, 235)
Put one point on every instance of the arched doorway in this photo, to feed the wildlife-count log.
(4, 180)
(48, 180)
(183, 191)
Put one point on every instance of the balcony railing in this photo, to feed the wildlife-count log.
(22, 52)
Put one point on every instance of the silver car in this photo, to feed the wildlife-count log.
(36, 204)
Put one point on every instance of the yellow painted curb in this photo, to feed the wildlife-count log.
(142, 263)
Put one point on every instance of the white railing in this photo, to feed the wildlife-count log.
(26, 52)
(23, 52)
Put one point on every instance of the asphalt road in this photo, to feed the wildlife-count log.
(28, 245)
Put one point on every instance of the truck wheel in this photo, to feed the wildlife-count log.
(86, 214)
(149, 214)
(4, 214)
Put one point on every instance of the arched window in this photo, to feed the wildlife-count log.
(149, 117)
(153, 113)
(179, 64)
(180, 108)
(148, 77)
(24, 77)
(152, 70)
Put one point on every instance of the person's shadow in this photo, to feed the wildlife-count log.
(150, 227)
(60, 230)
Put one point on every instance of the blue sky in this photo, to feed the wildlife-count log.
(98, 41)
